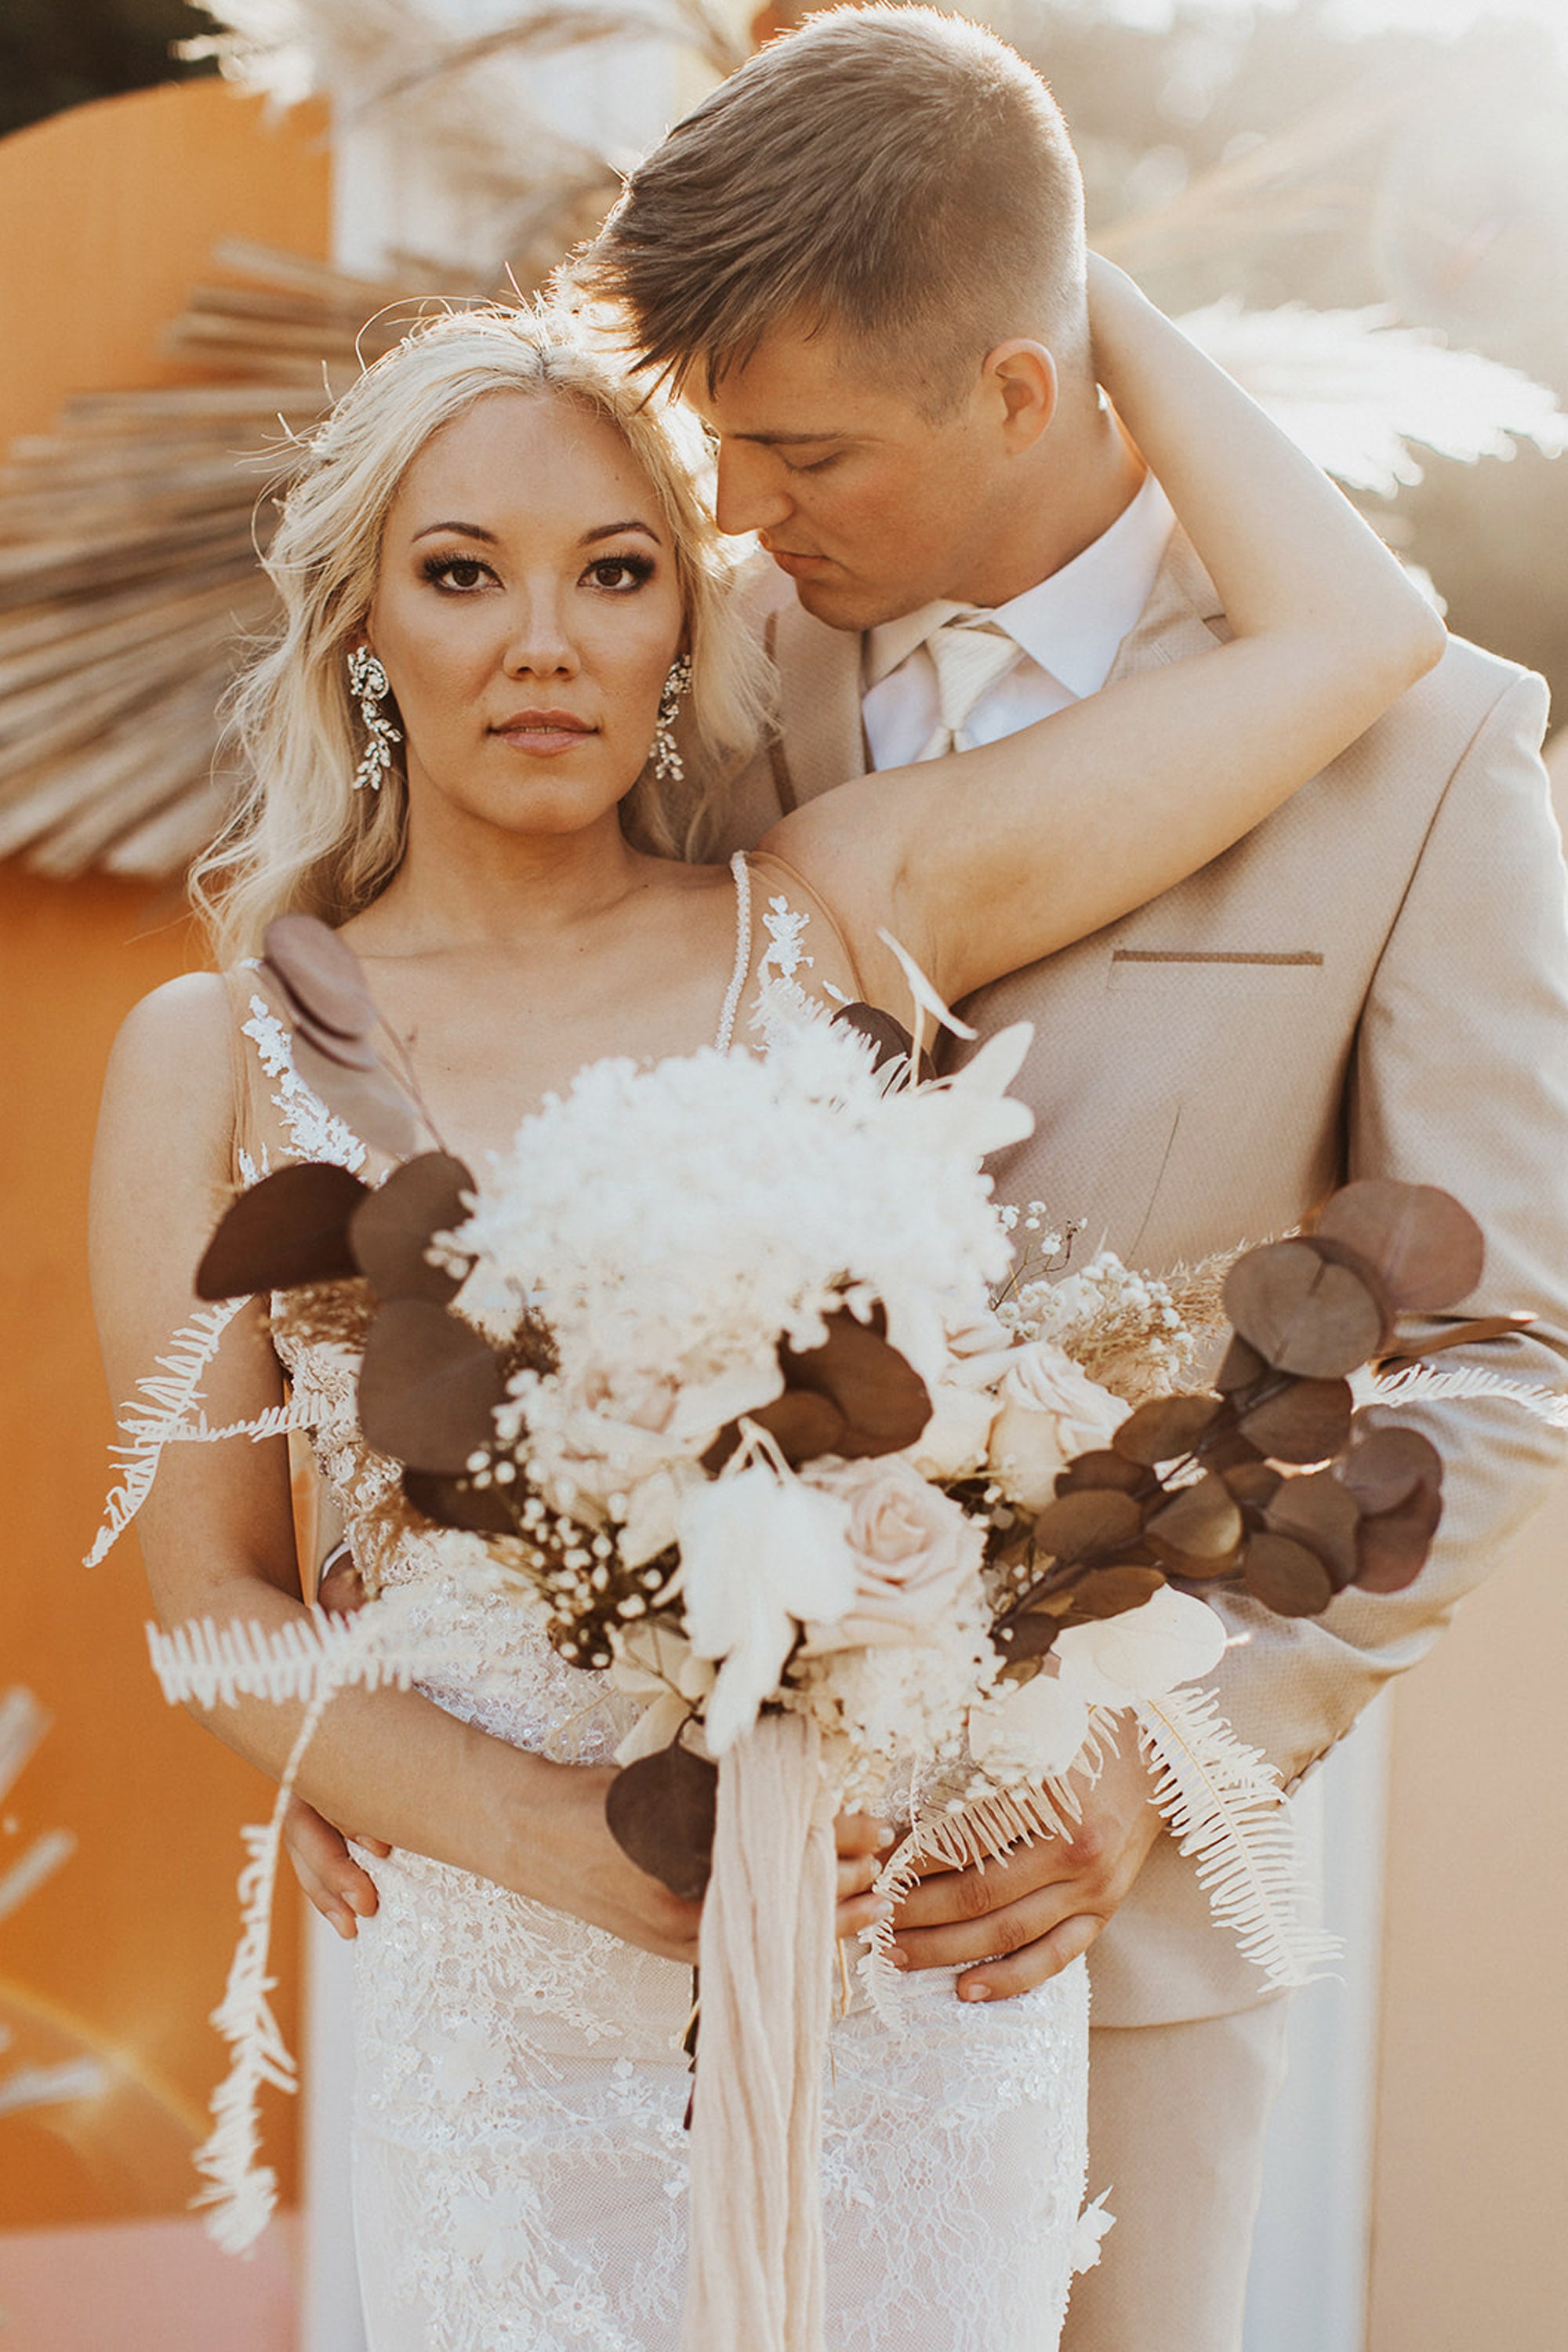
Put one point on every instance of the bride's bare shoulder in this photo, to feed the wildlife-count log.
(187, 1015)
(173, 1049)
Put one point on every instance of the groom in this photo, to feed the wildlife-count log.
(863, 260)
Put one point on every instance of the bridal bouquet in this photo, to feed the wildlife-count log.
(725, 1371)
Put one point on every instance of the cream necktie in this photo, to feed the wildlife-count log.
(971, 655)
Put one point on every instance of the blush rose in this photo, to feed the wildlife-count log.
(916, 1556)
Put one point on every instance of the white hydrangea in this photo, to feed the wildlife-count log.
(671, 1222)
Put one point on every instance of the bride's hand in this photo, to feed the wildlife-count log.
(573, 1863)
(567, 1859)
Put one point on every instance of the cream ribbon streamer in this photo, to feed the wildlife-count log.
(755, 2265)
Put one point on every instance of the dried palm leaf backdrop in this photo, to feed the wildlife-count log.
(120, 1819)
(128, 566)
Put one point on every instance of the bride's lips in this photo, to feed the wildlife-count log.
(543, 732)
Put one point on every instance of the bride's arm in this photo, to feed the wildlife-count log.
(217, 1532)
(982, 862)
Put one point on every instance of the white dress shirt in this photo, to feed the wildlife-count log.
(1071, 628)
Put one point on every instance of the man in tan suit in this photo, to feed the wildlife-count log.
(862, 257)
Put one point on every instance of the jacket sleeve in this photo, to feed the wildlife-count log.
(1460, 1079)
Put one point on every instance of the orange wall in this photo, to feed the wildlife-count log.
(125, 1949)
(107, 217)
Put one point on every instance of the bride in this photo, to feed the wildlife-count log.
(497, 571)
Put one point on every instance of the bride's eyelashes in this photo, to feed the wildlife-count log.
(460, 575)
(636, 571)
(464, 576)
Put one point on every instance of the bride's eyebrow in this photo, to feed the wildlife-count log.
(589, 538)
(613, 530)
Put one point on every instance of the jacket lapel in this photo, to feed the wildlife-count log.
(1183, 616)
(821, 741)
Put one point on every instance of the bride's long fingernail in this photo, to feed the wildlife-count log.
(977, 1991)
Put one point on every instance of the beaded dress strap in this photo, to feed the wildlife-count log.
(743, 874)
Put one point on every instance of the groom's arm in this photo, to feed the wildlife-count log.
(1460, 1079)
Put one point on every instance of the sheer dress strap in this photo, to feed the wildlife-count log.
(741, 871)
(836, 970)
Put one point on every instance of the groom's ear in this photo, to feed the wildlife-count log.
(1020, 381)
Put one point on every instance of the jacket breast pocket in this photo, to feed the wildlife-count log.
(1276, 972)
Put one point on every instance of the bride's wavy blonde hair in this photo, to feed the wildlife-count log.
(302, 838)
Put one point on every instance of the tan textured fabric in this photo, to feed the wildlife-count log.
(1184, 2171)
(1373, 983)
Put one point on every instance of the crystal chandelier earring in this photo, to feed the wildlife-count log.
(368, 683)
(667, 764)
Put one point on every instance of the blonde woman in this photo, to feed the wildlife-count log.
(511, 553)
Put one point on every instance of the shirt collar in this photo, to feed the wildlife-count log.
(1073, 623)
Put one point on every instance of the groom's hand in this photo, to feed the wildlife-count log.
(342, 1892)
(1026, 1917)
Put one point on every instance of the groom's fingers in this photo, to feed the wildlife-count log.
(332, 1880)
(1044, 1903)
(1033, 1963)
(1011, 1928)
(945, 1896)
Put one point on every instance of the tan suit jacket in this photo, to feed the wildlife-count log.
(1373, 983)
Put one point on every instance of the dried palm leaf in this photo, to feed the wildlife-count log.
(1356, 391)
(129, 577)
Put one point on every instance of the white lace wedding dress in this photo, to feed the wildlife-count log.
(519, 2152)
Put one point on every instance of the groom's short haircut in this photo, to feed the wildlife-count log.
(897, 176)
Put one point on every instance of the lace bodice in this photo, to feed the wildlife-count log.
(521, 2088)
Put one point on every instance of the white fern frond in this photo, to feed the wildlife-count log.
(241, 2191)
(206, 1665)
(176, 1389)
(276, 1421)
(309, 1659)
(314, 1654)
(1440, 1383)
(980, 1830)
(1356, 391)
(1222, 1802)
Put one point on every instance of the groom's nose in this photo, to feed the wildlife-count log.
(752, 491)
